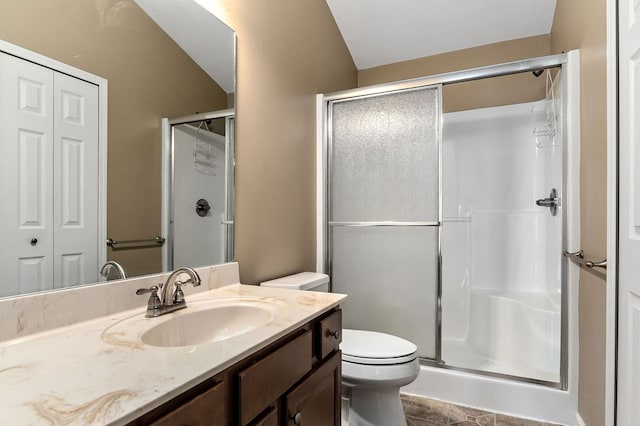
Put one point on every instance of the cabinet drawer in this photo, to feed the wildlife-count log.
(329, 334)
(263, 382)
(206, 409)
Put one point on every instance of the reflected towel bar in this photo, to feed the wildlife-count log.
(142, 243)
(578, 257)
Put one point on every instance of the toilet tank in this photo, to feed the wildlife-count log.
(312, 281)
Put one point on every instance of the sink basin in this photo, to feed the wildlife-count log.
(210, 324)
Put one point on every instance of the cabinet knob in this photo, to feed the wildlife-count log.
(297, 418)
(34, 241)
(335, 334)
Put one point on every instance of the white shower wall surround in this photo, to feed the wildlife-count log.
(198, 240)
(501, 264)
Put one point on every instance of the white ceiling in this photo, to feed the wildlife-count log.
(206, 39)
(382, 32)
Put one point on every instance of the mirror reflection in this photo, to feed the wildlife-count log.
(151, 73)
(198, 196)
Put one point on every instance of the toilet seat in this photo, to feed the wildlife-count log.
(374, 348)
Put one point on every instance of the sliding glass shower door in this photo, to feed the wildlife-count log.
(384, 212)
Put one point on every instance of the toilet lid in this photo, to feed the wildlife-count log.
(371, 347)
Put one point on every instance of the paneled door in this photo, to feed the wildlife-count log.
(26, 170)
(628, 369)
(48, 145)
(75, 177)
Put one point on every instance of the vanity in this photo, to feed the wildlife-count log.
(237, 355)
(294, 380)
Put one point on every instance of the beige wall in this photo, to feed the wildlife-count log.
(146, 73)
(288, 51)
(476, 94)
(580, 24)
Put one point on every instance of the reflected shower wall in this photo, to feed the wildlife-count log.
(199, 174)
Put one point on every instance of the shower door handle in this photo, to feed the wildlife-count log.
(552, 202)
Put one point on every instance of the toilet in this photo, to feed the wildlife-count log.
(374, 365)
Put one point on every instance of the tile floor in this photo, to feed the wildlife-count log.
(428, 412)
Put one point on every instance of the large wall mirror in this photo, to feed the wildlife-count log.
(160, 59)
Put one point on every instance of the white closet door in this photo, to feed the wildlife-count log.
(26, 166)
(75, 179)
(628, 368)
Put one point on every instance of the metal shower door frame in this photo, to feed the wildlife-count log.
(324, 234)
(436, 224)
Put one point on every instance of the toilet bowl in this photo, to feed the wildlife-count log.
(374, 365)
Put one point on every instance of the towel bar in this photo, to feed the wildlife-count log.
(142, 243)
(578, 257)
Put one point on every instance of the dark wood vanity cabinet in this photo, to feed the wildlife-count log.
(298, 382)
(294, 381)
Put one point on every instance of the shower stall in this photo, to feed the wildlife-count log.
(445, 219)
(198, 189)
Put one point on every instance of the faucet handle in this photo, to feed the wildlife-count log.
(154, 301)
(153, 290)
(178, 295)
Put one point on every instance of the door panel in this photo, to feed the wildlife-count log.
(26, 151)
(76, 180)
(384, 216)
(384, 157)
(391, 276)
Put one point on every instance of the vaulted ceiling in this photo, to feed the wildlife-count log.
(380, 32)
(377, 32)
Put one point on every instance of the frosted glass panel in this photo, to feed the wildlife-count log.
(384, 157)
(391, 277)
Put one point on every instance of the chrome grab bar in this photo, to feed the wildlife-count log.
(578, 257)
(150, 241)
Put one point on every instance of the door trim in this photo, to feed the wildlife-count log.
(612, 214)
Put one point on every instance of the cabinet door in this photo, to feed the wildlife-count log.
(268, 378)
(316, 401)
(268, 418)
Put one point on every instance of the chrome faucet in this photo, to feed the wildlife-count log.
(173, 299)
(110, 265)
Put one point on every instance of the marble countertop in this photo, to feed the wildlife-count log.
(99, 371)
